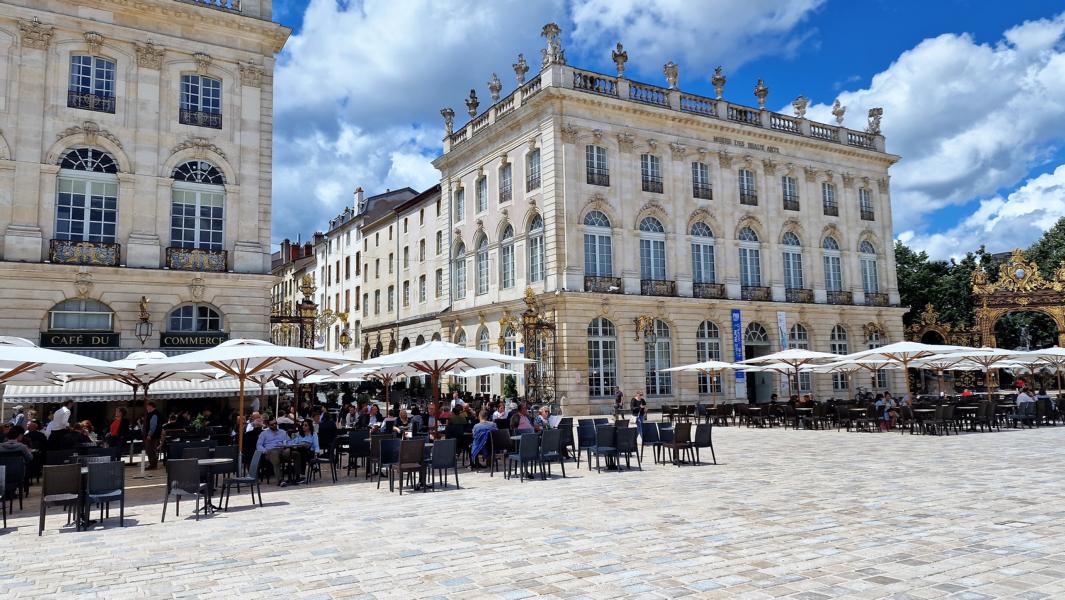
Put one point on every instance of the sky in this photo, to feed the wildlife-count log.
(973, 92)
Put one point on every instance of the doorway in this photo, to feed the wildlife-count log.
(760, 385)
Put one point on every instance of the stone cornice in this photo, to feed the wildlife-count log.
(274, 34)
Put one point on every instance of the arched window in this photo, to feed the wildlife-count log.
(510, 341)
(799, 339)
(755, 335)
(703, 268)
(420, 340)
(536, 249)
(405, 344)
(598, 253)
(460, 337)
(792, 254)
(484, 382)
(506, 258)
(81, 315)
(833, 268)
(482, 265)
(652, 249)
(657, 357)
(867, 256)
(197, 209)
(708, 347)
(602, 358)
(460, 271)
(436, 337)
(838, 345)
(194, 318)
(875, 338)
(750, 258)
(87, 196)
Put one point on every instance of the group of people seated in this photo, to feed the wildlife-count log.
(312, 437)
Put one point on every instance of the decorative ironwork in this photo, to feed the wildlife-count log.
(196, 259)
(840, 297)
(200, 118)
(598, 176)
(799, 295)
(1019, 287)
(876, 299)
(538, 330)
(791, 203)
(831, 210)
(749, 198)
(643, 324)
(867, 215)
(658, 287)
(928, 322)
(703, 191)
(73, 252)
(90, 101)
(603, 285)
(708, 290)
(754, 293)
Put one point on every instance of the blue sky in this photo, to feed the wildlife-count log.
(973, 92)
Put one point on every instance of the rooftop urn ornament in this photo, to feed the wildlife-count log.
(760, 92)
(472, 103)
(520, 69)
(837, 111)
(553, 54)
(800, 104)
(494, 87)
(671, 71)
(620, 57)
(874, 120)
(449, 119)
(718, 81)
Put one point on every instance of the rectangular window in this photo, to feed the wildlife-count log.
(701, 181)
(201, 101)
(389, 232)
(598, 257)
(365, 304)
(748, 191)
(377, 302)
(651, 173)
(87, 210)
(793, 271)
(602, 366)
(347, 300)
(506, 256)
(460, 205)
(865, 204)
(532, 170)
(391, 298)
(197, 219)
(482, 194)
(791, 192)
(404, 224)
(703, 263)
(439, 283)
(421, 288)
(421, 217)
(652, 259)
(750, 267)
(505, 183)
(377, 268)
(708, 348)
(92, 84)
(439, 243)
(347, 267)
(596, 166)
(833, 273)
(406, 257)
(828, 199)
(406, 294)
(536, 256)
(421, 250)
(870, 281)
(391, 261)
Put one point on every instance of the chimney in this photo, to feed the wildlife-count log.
(308, 249)
(318, 237)
(286, 250)
(359, 200)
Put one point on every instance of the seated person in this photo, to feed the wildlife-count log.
(306, 436)
(543, 418)
(33, 437)
(403, 421)
(482, 433)
(276, 448)
(87, 431)
(351, 418)
(520, 421)
(458, 416)
(13, 441)
(500, 412)
(251, 438)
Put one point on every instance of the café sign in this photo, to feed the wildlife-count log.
(204, 339)
(68, 339)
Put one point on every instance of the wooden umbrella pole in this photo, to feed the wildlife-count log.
(240, 419)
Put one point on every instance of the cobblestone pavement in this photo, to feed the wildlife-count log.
(803, 514)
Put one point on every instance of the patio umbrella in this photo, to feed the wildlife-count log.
(493, 370)
(983, 359)
(129, 372)
(243, 358)
(1052, 357)
(24, 362)
(437, 358)
(793, 357)
(904, 353)
(710, 368)
(873, 365)
(940, 363)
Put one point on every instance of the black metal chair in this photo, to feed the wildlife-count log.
(551, 451)
(500, 440)
(625, 445)
(411, 462)
(107, 484)
(527, 455)
(59, 457)
(15, 484)
(605, 445)
(61, 486)
(250, 479)
(568, 442)
(585, 441)
(388, 457)
(358, 447)
(680, 443)
(445, 456)
(650, 437)
(704, 439)
(183, 479)
(196, 452)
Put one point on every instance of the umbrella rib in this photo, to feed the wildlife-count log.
(24, 367)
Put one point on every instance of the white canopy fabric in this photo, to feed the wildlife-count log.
(710, 366)
(107, 390)
(793, 357)
(495, 370)
(19, 357)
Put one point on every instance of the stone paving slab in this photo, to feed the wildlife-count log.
(798, 514)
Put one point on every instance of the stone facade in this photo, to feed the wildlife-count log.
(116, 118)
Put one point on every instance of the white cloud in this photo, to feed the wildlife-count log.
(1001, 224)
(968, 119)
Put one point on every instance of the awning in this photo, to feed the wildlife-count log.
(106, 390)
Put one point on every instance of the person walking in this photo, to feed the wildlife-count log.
(152, 429)
(639, 411)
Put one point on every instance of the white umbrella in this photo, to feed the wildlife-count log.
(904, 353)
(24, 362)
(1052, 357)
(848, 366)
(243, 359)
(493, 370)
(793, 357)
(130, 372)
(983, 359)
(710, 368)
(437, 358)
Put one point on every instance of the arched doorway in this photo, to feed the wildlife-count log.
(760, 385)
(933, 337)
(1019, 288)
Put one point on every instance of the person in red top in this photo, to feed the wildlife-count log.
(118, 432)
(966, 393)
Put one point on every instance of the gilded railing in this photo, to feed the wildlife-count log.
(195, 259)
(74, 252)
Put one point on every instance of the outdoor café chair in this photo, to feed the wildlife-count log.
(527, 455)
(411, 462)
(388, 457)
(373, 464)
(601, 421)
(61, 487)
(84, 460)
(568, 441)
(585, 441)
(358, 447)
(183, 479)
(445, 456)
(326, 457)
(625, 444)
(226, 470)
(680, 443)
(500, 448)
(605, 445)
(704, 439)
(551, 451)
(59, 457)
(196, 452)
(107, 484)
(15, 484)
(650, 437)
(250, 479)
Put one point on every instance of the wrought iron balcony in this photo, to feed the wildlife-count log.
(703, 191)
(876, 299)
(658, 287)
(200, 118)
(195, 259)
(755, 293)
(749, 198)
(652, 184)
(799, 295)
(867, 215)
(90, 101)
(532, 182)
(603, 285)
(75, 252)
(506, 194)
(598, 176)
(708, 290)
(840, 297)
(791, 202)
(831, 210)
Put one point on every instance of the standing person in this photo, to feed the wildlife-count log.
(118, 431)
(152, 429)
(19, 420)
(60, 419)
(619, 402)
(639, 411)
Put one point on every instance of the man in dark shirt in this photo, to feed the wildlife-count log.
(33, 437)
(152, 428)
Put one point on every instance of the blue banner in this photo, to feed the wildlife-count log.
(737, 345)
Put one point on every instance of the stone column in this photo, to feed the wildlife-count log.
(143, 246)
(247, 251)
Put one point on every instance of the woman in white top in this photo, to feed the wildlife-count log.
(501, 411)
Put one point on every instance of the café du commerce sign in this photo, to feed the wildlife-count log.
(79, 339)
(200, 339)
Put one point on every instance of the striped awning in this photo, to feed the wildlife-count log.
(106, 390)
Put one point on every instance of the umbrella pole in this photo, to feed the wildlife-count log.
(240, 420)
(1057, 372)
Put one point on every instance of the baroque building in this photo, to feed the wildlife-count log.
(653, 227)
(135, 171)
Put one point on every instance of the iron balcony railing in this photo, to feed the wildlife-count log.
(598, 176)
(196, 259)
(799, 295)
(76, 252)
(708, 290)
(831, 210)
(867, 215)
(749, 198)
(754, 293)
(840, 297)
(652, 184)
(703, 191)
(90, 101)
(658, 287)
(200, 118)
(876, 299)
(603, 285)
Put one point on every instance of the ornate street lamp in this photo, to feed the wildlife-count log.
(144, 327)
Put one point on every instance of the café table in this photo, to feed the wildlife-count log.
(205, 464)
